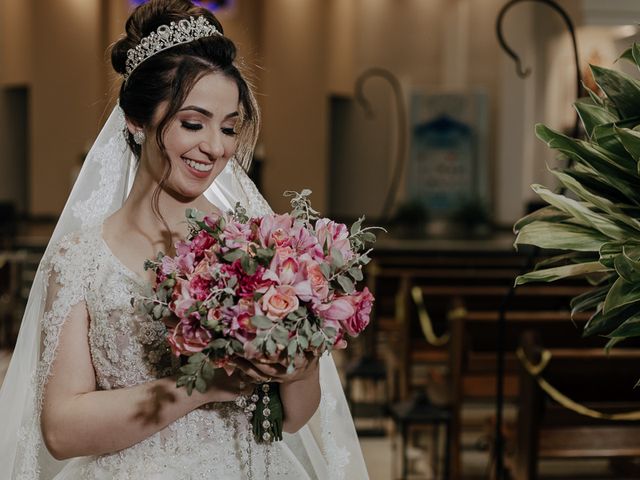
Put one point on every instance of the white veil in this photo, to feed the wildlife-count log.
(327, 446)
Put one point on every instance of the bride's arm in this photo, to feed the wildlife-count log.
(77, 420)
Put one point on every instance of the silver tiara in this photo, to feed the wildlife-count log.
(167, 36)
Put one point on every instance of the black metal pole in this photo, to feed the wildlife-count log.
(502, 324)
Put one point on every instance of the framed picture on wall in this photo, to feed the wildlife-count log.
(448, 151)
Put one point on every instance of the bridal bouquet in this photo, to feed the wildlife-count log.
(272, 288)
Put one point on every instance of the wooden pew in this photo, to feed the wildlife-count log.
(593, 379)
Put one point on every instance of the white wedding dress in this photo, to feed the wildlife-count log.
(127, 348)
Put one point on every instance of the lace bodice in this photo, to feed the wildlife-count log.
(128, 348)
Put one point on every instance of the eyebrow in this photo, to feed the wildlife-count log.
(207, 113)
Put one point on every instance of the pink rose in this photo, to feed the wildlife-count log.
(362, 303)
(319, 284)
(188, 337)
(279, 302)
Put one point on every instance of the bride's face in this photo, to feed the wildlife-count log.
(199, 140)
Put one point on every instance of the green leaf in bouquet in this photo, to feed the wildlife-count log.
(345, 283)
(562, 236)
(157, 312)
(368, 237)
(261, 321)
(233, 255)
(317, 339)
(356, 274)
(326, 270)
(219, 343)
(281, 335)
(303, 340)
(621, 294)
(236, 346)
(357, 225)
(200, 384)
(249, 265)
(265, 254)
(557, 273)
(364, 259)
(208, 372)
(595, 98)
(337, 260)
(620, 88)
(593, 115)
(606, 137)
(330, 332)
(270, 346)
(190, 368)
(292, 348)
(197, 358)
(589, 300)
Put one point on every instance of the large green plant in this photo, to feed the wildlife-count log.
(597, 224)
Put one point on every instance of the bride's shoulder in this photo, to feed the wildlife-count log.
(77, 247)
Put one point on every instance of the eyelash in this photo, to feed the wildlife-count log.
(195, 127)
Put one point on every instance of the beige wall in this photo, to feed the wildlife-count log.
(67, 96)
(16, 31)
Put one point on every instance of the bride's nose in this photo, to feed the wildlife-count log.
(214, 145)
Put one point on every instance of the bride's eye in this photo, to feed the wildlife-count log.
(229, 131)
(191, 126)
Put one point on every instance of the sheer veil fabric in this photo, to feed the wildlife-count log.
(327, 446)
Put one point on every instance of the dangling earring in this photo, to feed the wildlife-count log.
(138, 137)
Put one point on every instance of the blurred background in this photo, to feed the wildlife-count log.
(407, 111)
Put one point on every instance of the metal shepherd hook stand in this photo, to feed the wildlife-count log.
(523, 73)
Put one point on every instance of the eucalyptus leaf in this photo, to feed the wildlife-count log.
(233, 255)
(356, 274)
(337, 260)
(260, 321)
(201, 385)
(345, 283)
(326, 270)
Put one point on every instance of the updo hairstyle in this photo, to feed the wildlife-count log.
(169, 76)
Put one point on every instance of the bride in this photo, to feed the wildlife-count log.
(90, 392)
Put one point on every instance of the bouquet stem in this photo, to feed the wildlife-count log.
(268, 416)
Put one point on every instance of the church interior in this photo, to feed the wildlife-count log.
(422, 116)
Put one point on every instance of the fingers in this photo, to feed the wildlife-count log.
(252, 372)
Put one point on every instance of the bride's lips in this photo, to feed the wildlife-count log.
(195, 172)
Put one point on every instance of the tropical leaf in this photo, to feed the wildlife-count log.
(601, 323)
(557, 273)
(593, 115)
(630, 328)
(561, 236)
(621, 89)
(621, 294)
(581, 212)
(589, 300)
(545, 214)
(630, 139)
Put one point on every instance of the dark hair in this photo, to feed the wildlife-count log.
(171, 74)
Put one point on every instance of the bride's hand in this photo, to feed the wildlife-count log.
(266, 371)
(227, 388)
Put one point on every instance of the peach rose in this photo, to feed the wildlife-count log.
(279, 302)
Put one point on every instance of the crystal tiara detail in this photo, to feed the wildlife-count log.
(167, 36)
